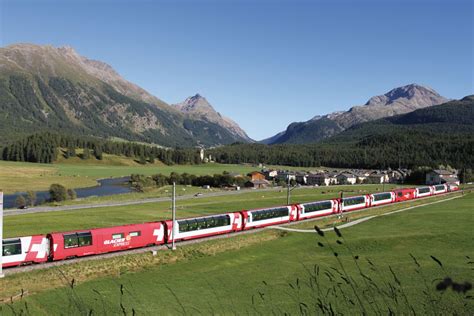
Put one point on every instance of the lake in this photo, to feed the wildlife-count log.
(106, 187)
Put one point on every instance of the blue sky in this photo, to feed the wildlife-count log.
(265, 63)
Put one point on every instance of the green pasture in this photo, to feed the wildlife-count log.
(389, 264)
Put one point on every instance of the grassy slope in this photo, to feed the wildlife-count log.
(75, 173)
(269, 273)
(41, 223)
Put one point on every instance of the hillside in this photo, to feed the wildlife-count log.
(43, 88)
(451, 118)
(397, 101)
(198, 107)
(442, 134)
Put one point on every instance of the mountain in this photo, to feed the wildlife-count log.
(397, 101)
(431, 136)
(451, 118)
(56, 89)
(198, 107)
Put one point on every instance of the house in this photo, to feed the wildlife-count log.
(255, 175)
(439, 176)
(346, 178)
(377, 178)
(361, 177)
(270, 174)
(258, 184)
(301, 177)
(319, 179)
(285, 175)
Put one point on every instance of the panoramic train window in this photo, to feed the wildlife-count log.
(439, 187)
(135, 234)
(424, 190)
(382, 196)
(269, 213)
(77, 240)
(84, 239)
(70, 241)
(319, 206)
(203, 223)
(11, 247)
(353, 200)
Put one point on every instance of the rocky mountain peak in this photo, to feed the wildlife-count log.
(414, 94)
(197, 106)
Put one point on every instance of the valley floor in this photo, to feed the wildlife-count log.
(390, 263)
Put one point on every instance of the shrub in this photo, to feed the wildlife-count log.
(72, 195)
(57, 192)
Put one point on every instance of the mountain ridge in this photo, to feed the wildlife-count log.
(399, 100)
(47, 88)
(198, 106)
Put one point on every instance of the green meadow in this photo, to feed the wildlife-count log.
(389, 264)
(77, 173)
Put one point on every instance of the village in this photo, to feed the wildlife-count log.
(271, 177)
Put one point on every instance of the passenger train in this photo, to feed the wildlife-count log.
(79, 243)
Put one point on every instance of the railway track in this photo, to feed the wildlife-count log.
(47, 265)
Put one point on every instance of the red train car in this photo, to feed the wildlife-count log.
(25, 250)
(102, 240)
(316, 209)
(404, 194)
(198, 227)
(269, 216)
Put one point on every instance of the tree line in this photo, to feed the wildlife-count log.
(45, 147)
(395, 150)
(140, 182)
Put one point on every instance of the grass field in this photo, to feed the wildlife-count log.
(278, 272)
(41, 223)
(76, 173)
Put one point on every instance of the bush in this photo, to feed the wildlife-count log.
(71, 194)
(20, 201)
(31, 198)
(57, 192)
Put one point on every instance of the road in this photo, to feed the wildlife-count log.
(44, 209)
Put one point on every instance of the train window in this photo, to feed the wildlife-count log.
(400, 194)
(135, 234)
(84, 239)
(11, 247)
(382, 196)
(118, 236)
(319, 206)
(70, 241)
(183, 226)
(203, 223)
(269, 213)
(353, 200)
(424, 190)
(439, 187)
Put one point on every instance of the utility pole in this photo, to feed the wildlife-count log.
(173, 247)
(1, 234)
(341, 204)
(288, 196)
(288, 191)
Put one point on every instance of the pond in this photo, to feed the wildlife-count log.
(106, 187)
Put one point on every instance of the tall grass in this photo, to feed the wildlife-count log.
(350, 284)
